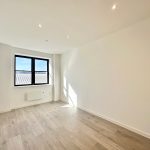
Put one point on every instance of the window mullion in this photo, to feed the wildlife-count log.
(33, 71)
(47, 72)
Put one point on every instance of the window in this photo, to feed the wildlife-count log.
(31, 71)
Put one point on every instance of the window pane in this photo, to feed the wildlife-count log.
(31, 71)
(23, 63)
(40, 65)
(23, 77)
(40, 77)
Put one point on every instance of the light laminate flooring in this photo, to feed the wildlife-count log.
(55, 126)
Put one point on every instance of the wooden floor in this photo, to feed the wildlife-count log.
(53, 126)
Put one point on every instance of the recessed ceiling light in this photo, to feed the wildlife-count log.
(68, 37)
(40, 26)
(114, 6)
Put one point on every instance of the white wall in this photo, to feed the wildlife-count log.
(14, 97)
(56, 63)
(111, 77)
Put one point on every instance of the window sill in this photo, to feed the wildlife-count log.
(38, 85)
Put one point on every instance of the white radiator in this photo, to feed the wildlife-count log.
(34, 95)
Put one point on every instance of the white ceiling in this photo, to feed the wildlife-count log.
(82, 21)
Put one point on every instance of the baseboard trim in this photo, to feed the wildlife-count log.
(23, 106)
(28, 105)
(5, 111)
(132, 129)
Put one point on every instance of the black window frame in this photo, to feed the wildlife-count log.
(33, 71)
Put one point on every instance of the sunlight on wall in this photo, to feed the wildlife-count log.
(72, 96)
(65, 83)
(69, 93)
(65, 91)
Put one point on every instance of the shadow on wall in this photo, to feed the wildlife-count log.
(69, 93)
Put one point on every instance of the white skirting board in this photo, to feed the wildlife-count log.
(117, 123)
(5, 111)
(23, 106)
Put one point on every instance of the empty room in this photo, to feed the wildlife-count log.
(74, 75)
